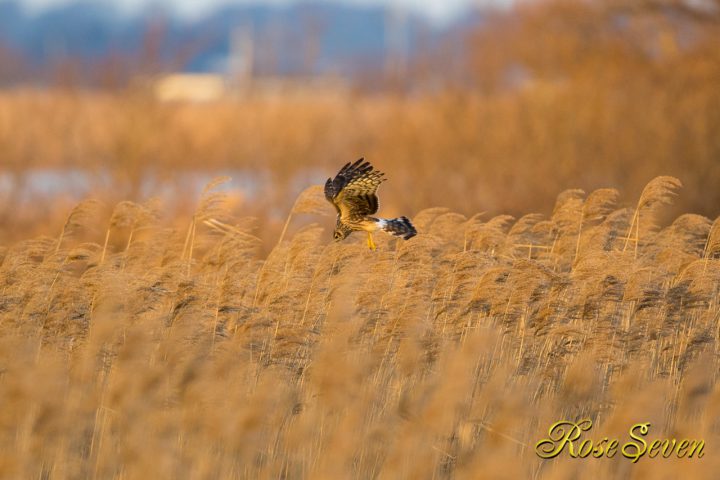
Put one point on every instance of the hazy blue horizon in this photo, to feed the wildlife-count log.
(439, 11)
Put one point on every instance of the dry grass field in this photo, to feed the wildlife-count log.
(131, 348)
(505, 153)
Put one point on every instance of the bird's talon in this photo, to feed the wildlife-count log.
(371, 244)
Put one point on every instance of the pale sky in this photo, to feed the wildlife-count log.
(439, 10)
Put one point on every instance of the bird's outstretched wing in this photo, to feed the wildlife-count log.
(352, 191)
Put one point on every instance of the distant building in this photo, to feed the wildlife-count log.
(241, 56)
(190, 87)
(241, 81)
(201, 88)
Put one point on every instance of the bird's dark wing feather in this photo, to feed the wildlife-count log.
(349, 172)
(330, 193)
(352, 191)
(357, 207)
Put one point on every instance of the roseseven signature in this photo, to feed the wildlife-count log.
(565, 436)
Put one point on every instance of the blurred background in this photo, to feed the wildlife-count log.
(478, 106)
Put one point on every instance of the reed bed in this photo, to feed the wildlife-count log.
(503, 152)
(131, 347)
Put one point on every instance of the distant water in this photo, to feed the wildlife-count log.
(76, 184)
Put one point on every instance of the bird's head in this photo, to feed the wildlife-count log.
(341, 232)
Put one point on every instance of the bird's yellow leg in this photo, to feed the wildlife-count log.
(370, 242)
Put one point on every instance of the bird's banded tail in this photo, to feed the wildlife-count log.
(400, 227)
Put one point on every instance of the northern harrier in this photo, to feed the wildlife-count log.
(352, 192)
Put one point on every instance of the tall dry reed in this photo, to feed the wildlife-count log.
(136, 346)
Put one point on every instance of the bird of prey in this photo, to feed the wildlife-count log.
(352, 193)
